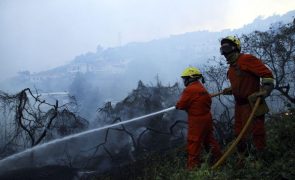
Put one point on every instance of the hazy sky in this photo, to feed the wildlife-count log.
(39, 34)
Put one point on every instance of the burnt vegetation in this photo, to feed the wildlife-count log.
(128, 144)
(154, 147)
(28, 120)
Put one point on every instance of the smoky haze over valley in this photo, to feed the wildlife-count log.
(109, 74)
(41, 35)
(164, 57)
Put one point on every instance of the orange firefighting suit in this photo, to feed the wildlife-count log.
(197, 103)
(244, 76)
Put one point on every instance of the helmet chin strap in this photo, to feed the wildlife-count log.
(203, 79)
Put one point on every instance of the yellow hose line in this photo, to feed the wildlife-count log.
(237, 140)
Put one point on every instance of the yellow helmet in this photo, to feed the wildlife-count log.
(232, 39)
(191, 72)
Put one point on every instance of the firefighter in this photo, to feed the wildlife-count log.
(196, 101)
(249, 79)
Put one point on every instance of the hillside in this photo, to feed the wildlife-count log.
(95, 78)
(130, 63)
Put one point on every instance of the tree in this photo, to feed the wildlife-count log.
(216, 80)
(31, 120)
(276, 47)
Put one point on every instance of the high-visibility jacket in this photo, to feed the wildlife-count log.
(245, 76)
(197, 102)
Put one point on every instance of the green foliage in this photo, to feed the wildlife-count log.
(277, 162)
(171, 165)
(276, 48)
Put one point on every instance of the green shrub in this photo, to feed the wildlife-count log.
(277, 162)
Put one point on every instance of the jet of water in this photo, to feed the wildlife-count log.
(6, 161)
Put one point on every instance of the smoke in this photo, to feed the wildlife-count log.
(102, 149)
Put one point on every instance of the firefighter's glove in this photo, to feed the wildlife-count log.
(267, 85)
(262, 108)
(253, 97)
(227, 91)
(267, 88)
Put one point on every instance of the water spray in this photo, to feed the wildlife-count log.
(20, 154)
(136, 119)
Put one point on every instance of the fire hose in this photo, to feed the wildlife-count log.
(230, 150)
